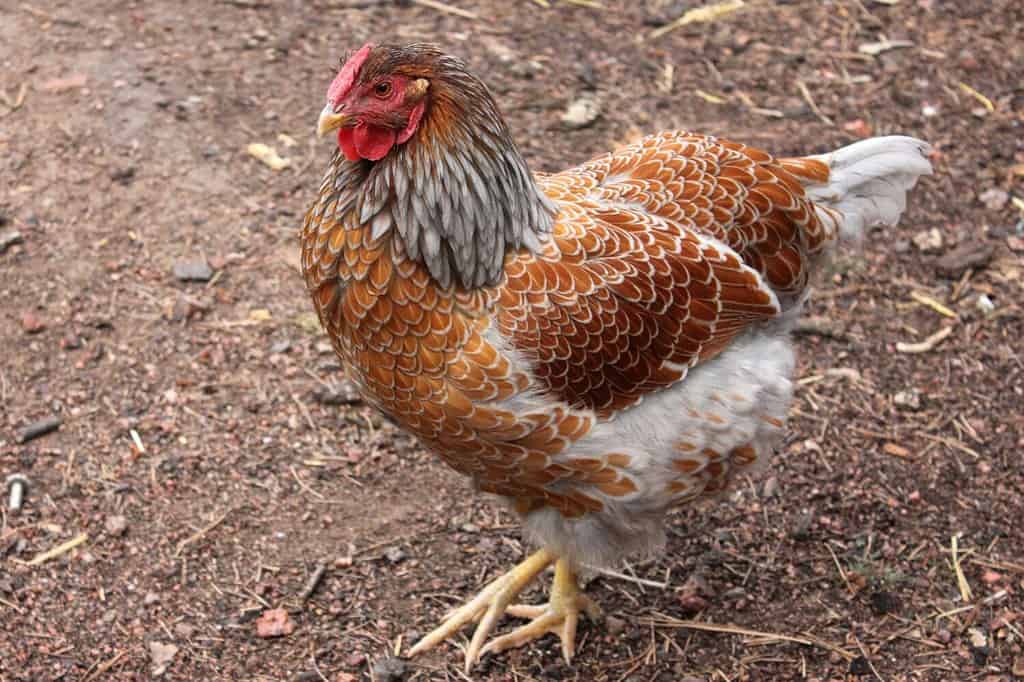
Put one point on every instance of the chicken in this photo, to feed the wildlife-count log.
(596, 346)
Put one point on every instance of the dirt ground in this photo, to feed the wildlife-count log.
(211, 460)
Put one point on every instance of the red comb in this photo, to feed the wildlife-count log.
(346, 77)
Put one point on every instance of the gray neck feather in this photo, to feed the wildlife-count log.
(458, 205)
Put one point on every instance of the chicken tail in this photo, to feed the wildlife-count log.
(866, 184)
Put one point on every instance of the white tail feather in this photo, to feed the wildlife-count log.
(868, 182)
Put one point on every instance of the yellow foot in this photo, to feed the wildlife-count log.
(559, 616)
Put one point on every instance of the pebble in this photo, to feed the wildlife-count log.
(802, 528)
(910, 400)
(928, 241)
(197, 270)
(122, 174)
(389, 669)
(341, 393)
(883, 602)
(32, 323)
(9, 238)
(581, 113)
(395, 555)
(615, 626)
(985, 305)
(994, 198)
(184, 630)
(116, 525)
(860, 666)
(771, 488)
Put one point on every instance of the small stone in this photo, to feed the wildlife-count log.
(71, 342)
(944, 636)
(858, 127)
(581, 113)
(274, 623)
(802, 528)
(9, 238)
(395, 555)
(928, 241)
(282, 346)
(968, 256)
(151, 598)
(977, 637)
(469, 528)
(340, 393)
(116, 525)
(908, 400)
(860, 666)
(122, 174)
(197, 270)
(990, 577)
(32, 323)
(184, 630)
(994, 198)
(771, 488)
(883, 602)
(389, 669)
(615, 626)
(985, 305)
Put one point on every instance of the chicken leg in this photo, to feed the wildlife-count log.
(559, 616)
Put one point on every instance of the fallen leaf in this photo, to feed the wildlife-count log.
(268, 155)
(274, 623)
(161, 655)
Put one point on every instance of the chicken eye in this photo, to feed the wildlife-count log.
(382, 89)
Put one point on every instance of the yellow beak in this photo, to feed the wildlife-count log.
(329, 121)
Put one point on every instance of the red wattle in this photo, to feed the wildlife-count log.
(373, 142)
(347, 144)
